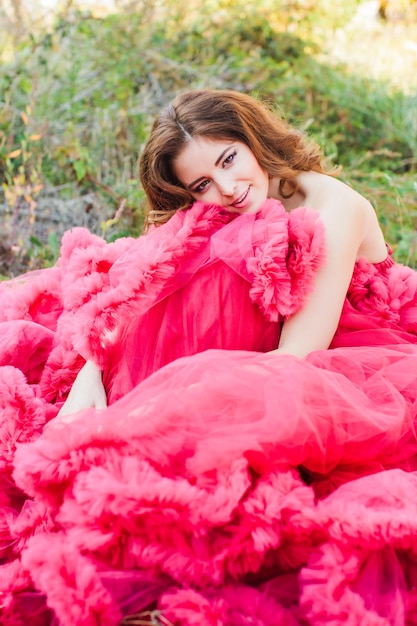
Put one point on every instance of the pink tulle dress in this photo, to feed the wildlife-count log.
(224, 485)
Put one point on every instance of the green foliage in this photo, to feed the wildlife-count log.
(394, 197)
(88, 89)
(43, 254)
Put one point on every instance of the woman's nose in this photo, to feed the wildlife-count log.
(226, 187)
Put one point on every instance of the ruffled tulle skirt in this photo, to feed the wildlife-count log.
(222, 488)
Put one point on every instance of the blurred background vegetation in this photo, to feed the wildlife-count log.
(80, 84)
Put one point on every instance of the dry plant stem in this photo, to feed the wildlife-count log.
(15, 217)
(104, 187)
(146, 618)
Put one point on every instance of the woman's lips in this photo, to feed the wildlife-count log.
(240, 202)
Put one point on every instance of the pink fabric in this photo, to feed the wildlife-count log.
(223, 485)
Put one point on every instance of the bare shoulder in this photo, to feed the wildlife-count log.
(344, 210)
(322, 192)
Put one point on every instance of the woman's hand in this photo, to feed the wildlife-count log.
(86, 392)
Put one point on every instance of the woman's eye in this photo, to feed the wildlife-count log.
(201, 186)
(229, 159)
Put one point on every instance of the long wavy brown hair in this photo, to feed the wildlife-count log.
(281, 150)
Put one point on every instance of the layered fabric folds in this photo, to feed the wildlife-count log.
(224, 485)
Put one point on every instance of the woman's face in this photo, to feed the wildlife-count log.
(222, 172)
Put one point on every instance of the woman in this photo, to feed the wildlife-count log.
(224, 148)
(243, 472)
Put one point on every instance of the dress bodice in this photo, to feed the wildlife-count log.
(380, 306)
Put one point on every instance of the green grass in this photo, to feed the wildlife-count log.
(78, 101)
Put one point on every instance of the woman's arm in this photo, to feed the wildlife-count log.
(86, 392)
(349, 222)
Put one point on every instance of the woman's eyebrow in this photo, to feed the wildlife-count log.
(197, 180)
(221, 156)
